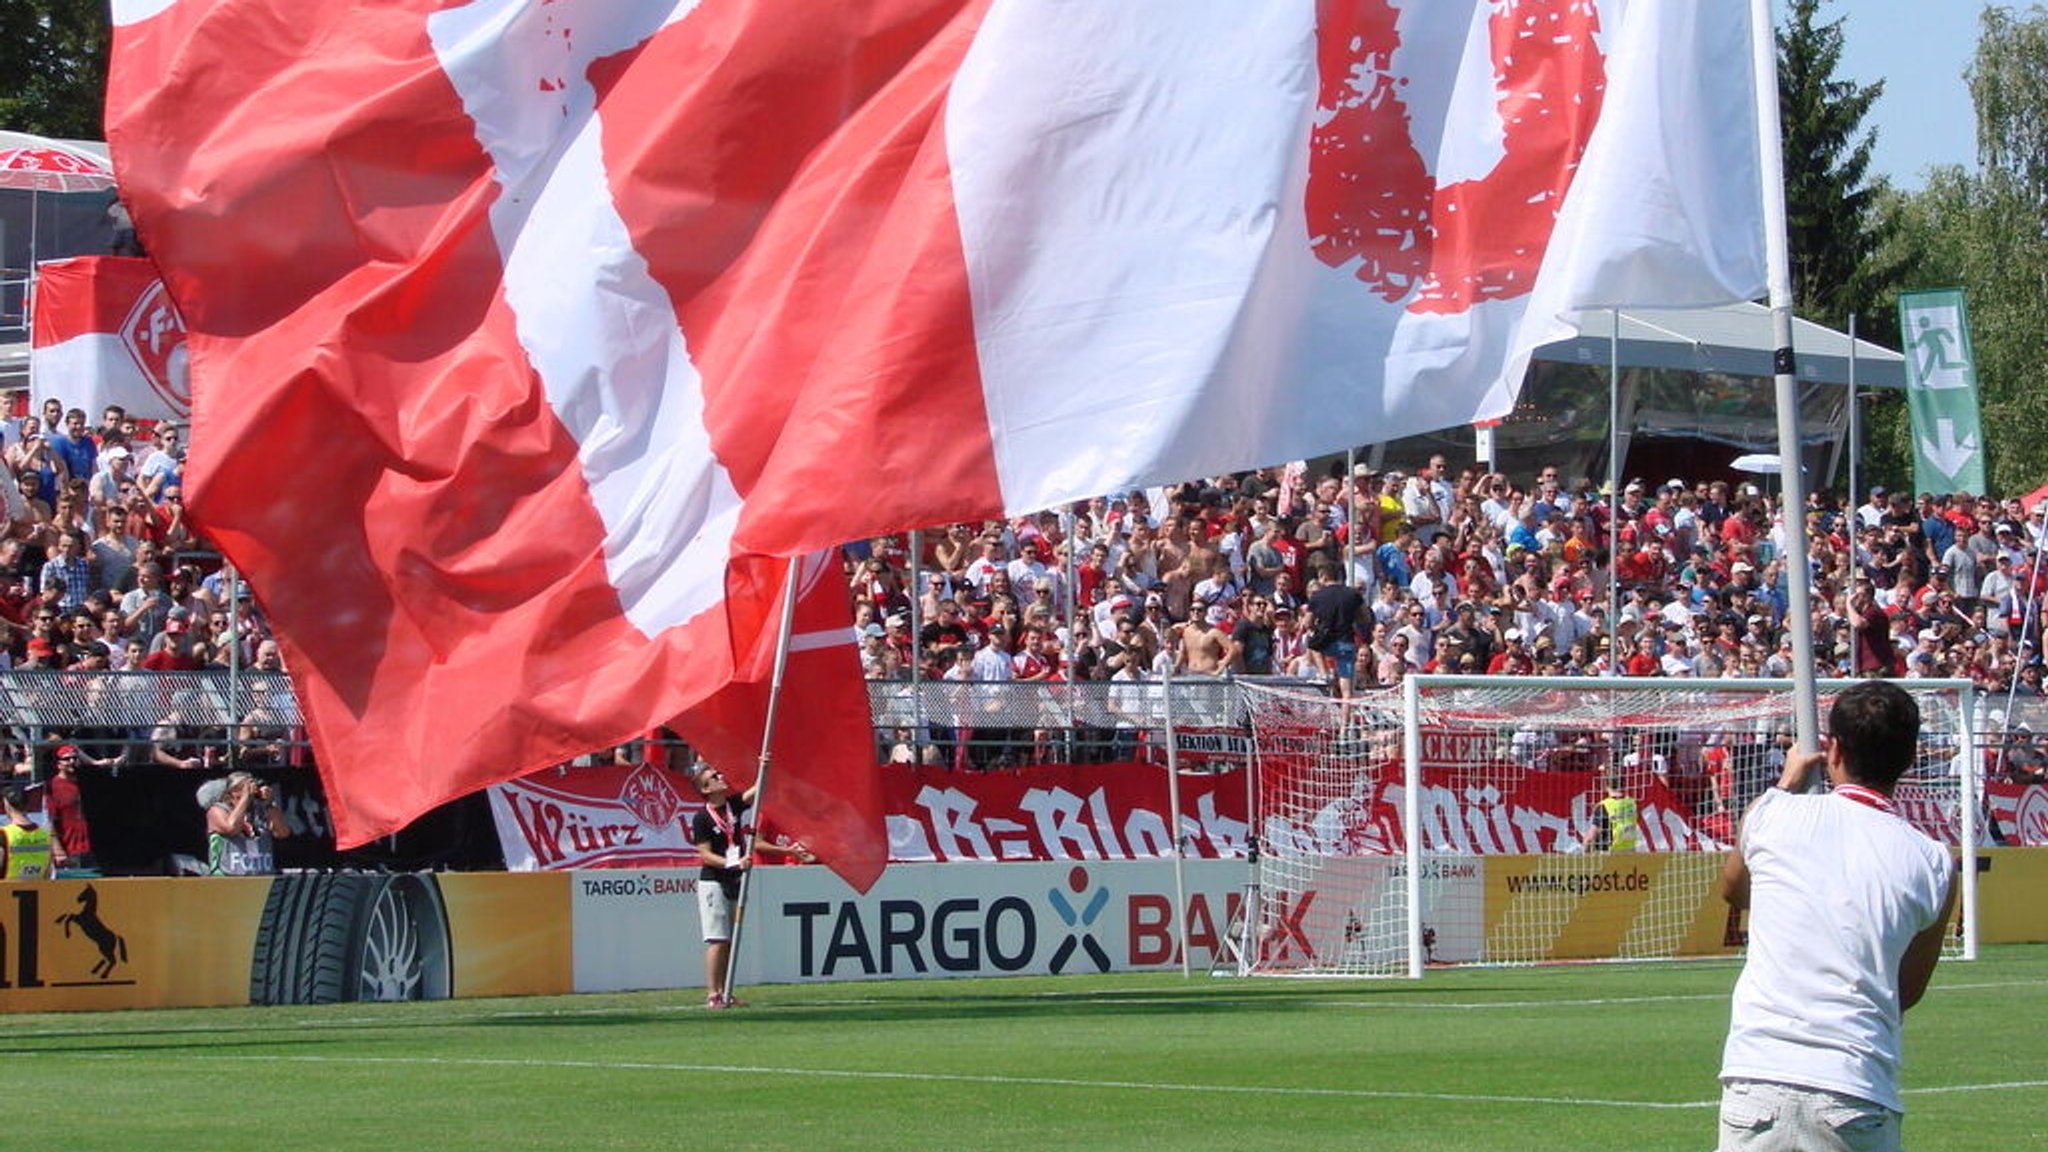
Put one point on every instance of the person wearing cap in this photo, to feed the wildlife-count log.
(1427, 500)
(243, 825)
(177, 648)
(1393, 513)
(116, 478)
(25, 847)
(1514, 658)
(64, 811)
(877, 660)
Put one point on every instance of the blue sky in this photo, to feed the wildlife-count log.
(1919, 48)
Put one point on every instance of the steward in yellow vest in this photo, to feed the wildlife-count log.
(27, 844)
(1615, 822)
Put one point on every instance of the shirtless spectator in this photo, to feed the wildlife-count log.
(1205, 649)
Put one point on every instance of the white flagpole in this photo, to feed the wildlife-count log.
(1792, 490)
(739, 911)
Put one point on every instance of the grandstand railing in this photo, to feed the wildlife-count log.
(1067, 721)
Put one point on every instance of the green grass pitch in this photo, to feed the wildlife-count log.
(1579, 1058)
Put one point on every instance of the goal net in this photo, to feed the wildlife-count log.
(1461, 820)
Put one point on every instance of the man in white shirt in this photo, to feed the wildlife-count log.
(1427, 500)
(1847, 905)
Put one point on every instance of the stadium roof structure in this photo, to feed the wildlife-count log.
(1733, 339)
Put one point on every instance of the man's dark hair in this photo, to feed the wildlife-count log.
(1877, 725)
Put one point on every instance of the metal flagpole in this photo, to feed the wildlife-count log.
(1855, 435)
(1350, 518)
(1792, 489)
(917, 730)
(739, 911)
(1178, 921)
(234, 587)
(1614, 495)
(916, 605)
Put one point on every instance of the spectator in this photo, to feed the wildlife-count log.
(162, 467)
(1338, 612)
(64, 813)
(243, 825)
(68, 572)
(24, 845)
(78, 454)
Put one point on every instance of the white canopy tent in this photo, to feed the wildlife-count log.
(1734, 339)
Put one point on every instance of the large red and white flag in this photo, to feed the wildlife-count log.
(547, 309)
(103, 331)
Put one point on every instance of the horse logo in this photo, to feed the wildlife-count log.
(113, 947)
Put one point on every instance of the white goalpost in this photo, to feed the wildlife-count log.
(1460, 820)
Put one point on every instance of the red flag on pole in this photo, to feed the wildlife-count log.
(548, 311)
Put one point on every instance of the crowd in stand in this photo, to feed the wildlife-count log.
(99, 571)
(98, 568)
(1362, 579)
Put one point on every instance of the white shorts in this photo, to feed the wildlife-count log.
(1762, 1116)
(714, 909)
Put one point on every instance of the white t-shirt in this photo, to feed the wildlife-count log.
(1837, 891)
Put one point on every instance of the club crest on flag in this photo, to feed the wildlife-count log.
(1374, 201)
(648, 795)
(154, 335)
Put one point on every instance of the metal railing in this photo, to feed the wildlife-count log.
(218, 708)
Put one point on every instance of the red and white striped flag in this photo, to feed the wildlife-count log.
(545, 310)
(104, 331)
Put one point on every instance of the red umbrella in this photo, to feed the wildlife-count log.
(33, 164)
(2032, 498)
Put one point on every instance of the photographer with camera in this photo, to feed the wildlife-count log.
(243, 824)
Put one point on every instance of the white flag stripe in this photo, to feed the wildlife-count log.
(1683, 232)
(93, 371)
(599, 330)
(1130, 182)
(1108, 303)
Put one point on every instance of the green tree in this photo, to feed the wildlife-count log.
(53, 67)
(1987, 232)
(1840, 262)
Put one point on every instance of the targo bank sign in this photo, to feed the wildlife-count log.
(944, 920)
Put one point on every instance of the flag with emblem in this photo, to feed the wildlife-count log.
(103, 331)
(558, 306)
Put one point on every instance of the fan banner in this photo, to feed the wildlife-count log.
(607, 816)
(104, 331)
(615, 817)
(558, 316)
(1485, 809)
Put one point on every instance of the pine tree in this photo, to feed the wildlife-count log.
(1836, 233)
